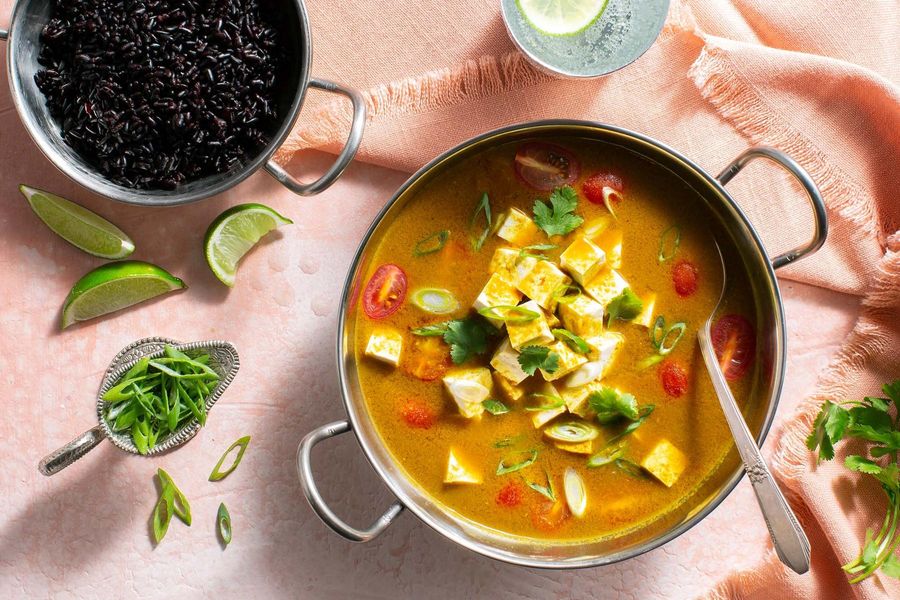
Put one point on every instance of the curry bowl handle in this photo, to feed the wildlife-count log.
(815, 198)
(311, 491)
(4, 34)
(357, 125)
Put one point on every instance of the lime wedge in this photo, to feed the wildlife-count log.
(561, 17)
(115, 286)
(77, 225)
(234, 233)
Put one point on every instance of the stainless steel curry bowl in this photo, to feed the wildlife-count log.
(743, 249)
(23, 47)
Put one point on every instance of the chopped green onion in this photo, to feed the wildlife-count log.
(484, 205)
(669, 241)
(180, 504)
(658, 331)
(434, 330)
(534, 251)
(495, 407)
(572, 432)
(645, 412)
(431, 244)
(508, 441)
(576, 494)
(162, 514)
(503, 468)
(435, 300)
(544, 490)
(555, 402)
(561, 294)
(573, 341)
(223, 521)
(649, 361)
(608, 455)
(217, 474)
(678, 328)
(509, 313)
(629, 467)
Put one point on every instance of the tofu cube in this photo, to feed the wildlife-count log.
(576, 447)
(542, 282)
(576, 400)
(469, 388)
(530, 333)
(510, 391)
(385, 345)
(645, 319)
(605, 286)
(497, 292)
(582, 316)
(665, 462)
(549, 394)
(582, 259)
(506, 363)
(604, 348)
(457, 472)
(610, 241)
(517, 228)
(504, 262)
(569, 360)
(552, 320)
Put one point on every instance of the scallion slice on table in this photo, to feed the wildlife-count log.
(158, 397)
(162, 514)
(180, 505)
(223, 524)
(217, 473)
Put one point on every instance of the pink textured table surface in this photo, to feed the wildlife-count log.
(84, 533)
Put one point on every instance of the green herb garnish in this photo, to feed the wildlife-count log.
(630, 467)
(661, 337)
(535, 251)
(431, 244)
(223, 522)
(532, 358)
(162, 514)
(610, 404)
(553, 402)
(626, 306)
(503, 468)
(561, 294)
(508, 441)
(606, 456)
(509, 313)
(573, 341)
(868, 420)
(649, 361)
(157, 397)
(467, 338)
(644, 413)
(558, 217)
(669, 240)
(435, 330)
(241, 443)
(180, 505)
(495, 407)
(483, 206)
(546, 491)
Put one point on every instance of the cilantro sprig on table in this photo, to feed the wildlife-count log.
(558, 218)
(868, 420)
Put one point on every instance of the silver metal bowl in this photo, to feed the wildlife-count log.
(743, 251)
(23, 38)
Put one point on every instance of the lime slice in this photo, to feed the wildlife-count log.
(77, 225)
(561, 17)
(232, 235)
(115, 286)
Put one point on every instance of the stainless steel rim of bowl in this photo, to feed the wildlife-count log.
(44, 131)
(400, 491)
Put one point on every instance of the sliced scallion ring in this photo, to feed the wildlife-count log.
(217, 474)
(503, 468)
(436, 301)
(509, 314)
(162, 514)
(669, 240)
(658, 331)
(431, 244)
(223, 523)
(483, 206)
(572, 432)
(606, 456)
(544, 490)
(495, 407)
(678, 330)
(552, 402)
(573, 341)
(434, 330)
(562, 293)
(576, 494)
(649, 362)
(180, 505)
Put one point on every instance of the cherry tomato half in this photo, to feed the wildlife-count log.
(674, 378)
(546, 166)
(685, 277)
(734, 339)
(593, 186)
(385, 292)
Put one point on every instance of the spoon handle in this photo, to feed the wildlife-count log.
(788, 536)
(58, 460)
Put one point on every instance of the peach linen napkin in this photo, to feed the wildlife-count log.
(817, 79)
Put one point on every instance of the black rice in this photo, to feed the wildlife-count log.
(156, 93)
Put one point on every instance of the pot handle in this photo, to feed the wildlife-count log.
(815, 197)
(4, 34)
(308, 484)
(343, 159)
(59, 459)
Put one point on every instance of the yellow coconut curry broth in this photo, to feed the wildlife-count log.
(628, 267)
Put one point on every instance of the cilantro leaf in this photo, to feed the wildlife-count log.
(532, 358)
(495, 407)
(891, 566)
(466, 338)
(625, 306)
(558, 217)
(610, 404)
(483, 206)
